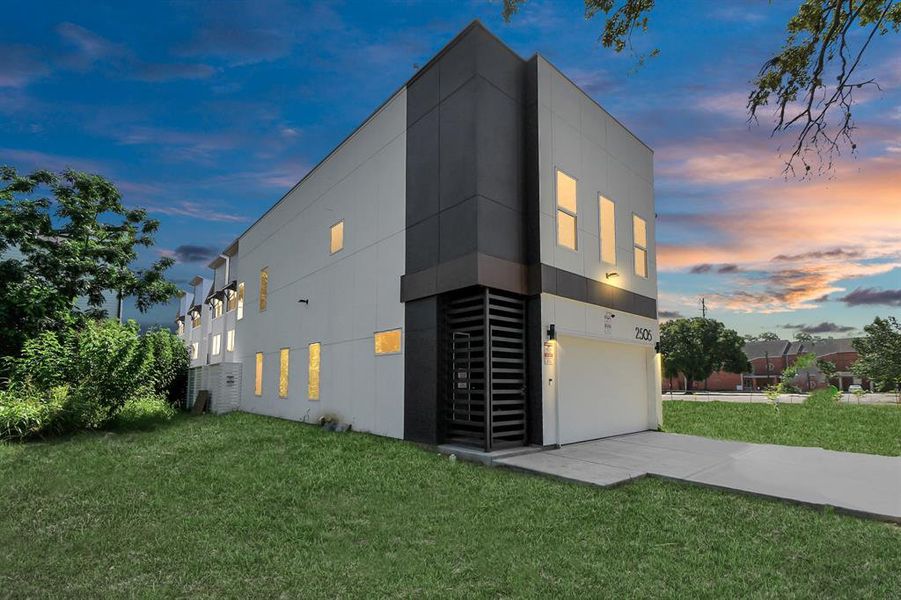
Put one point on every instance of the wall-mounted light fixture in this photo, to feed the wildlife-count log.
(305, 301)
(552, 332)
(610, 274)
(657, 348)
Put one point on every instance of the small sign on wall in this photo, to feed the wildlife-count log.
(549, 353)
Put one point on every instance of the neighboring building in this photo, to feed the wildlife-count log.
(770, 358)
(475, 264)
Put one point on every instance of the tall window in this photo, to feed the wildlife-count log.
(258, 380)
(195, 351)
(387, 342)
(567, 208)
(217, 344)
(313, 383)
(217, 308)
(230, 340)
(195, 319)
(284, 356)
(336, 237)
(640, 242)
(608, 231)
(240, 299)
(264, 288)
(181, 328)
(232, 300)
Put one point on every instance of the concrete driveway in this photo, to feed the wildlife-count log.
(862, 484)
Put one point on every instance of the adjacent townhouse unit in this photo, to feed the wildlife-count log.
(474, 264)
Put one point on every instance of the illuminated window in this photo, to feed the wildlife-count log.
(567, 208)
(240, 300)
(608, 231)
(313, 383)
(264, 288)
(284, 358)
(195, 351)
(181, 328)
(387, 342)
(230, 340)
(258, 381)
(232, 300)
(640, 242)
(217, 344)
(217, 308)
(195, 319)
(337, 237)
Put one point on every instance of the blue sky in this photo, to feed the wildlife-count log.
(207, 113)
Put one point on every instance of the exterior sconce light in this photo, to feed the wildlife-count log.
(657, 348)
(305, 301)
(552, 332)
(610, 274)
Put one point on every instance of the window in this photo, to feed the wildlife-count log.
(217, 308)
(284, 357)
(195, 350)
(608, 231)
(387, 342)
(567, 208)
(195, 319)
(230, 340)
(232, 300)
(264, 288)
(258, 381)
(640, 242)
(181, 328)
(240, 297)
(337, 237)
(217, 344)
(313, 383)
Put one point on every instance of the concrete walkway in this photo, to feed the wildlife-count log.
(862, 484)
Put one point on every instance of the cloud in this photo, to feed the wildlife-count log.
(173, 71)
(723, 269)
(190, 253)
(669, 314)
(834, 253)
(20, 66)
(196, 211)
(872, 296)
(824, 327)
(89, 47)
(702, 268)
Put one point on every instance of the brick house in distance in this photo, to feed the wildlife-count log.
(770, 358)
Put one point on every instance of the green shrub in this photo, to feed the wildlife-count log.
(823, 397)
(169, 363)
(144, 413)
(23, 416)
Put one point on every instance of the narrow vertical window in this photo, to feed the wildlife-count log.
(313, 383)
(240, 296)
(217, 309)
(258, 380)
(195, 351)
(567, 210)
(640, 243)
(284, 357)
(181, 328)
(264, 288)
(217, 344)
(195, 320)
(336, 242)
(387, 342)
(230, 340)
(232, 302)
(608, 231)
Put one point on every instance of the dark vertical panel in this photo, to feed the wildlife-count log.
(421, 371)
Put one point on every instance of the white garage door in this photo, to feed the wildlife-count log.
(602, 389)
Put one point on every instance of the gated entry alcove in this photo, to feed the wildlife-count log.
(483, 368)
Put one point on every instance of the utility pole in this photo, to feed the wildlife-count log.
(703, 308)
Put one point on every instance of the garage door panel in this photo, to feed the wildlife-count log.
(601, 389)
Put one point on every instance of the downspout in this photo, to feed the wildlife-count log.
(227, 260)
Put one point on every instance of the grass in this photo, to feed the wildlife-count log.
(870, 429)
(249, 506)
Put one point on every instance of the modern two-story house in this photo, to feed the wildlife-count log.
(474, 264)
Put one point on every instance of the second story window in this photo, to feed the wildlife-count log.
(264, 288)
(608, 231)
(640, 243)
(217, 309)
(240, 301)
(567, 209)
(336, 237)
(181, 328)
(195, 319)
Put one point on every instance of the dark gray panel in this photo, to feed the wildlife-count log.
(502, 274)
(576, 287)
(422, 168)
(535, 387)
(458, 64)
(458, 273)
(499, 65)
(422, 95)
(458, 230)
(548, 279)
(419, 285)
(499, 146)
(457, 154)
(422, 236)
(421, 372)
(501, 231)
(571, 285)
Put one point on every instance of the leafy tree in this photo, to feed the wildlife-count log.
(803, 336)
(879, 353)
(827, 368)
(768, 336)
(61, 256)
(698, 347)
(809, 83)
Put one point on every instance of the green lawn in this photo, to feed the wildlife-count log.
(852, 428)
(248, 506)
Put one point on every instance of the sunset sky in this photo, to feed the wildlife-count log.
(207, 113)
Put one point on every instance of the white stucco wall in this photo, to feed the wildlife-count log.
(351, 294)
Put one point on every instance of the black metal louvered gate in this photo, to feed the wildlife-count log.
(484, 369)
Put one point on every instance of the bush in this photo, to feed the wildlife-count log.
(169, 364)
(144, 413)
(823, 397)
(22, 417)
